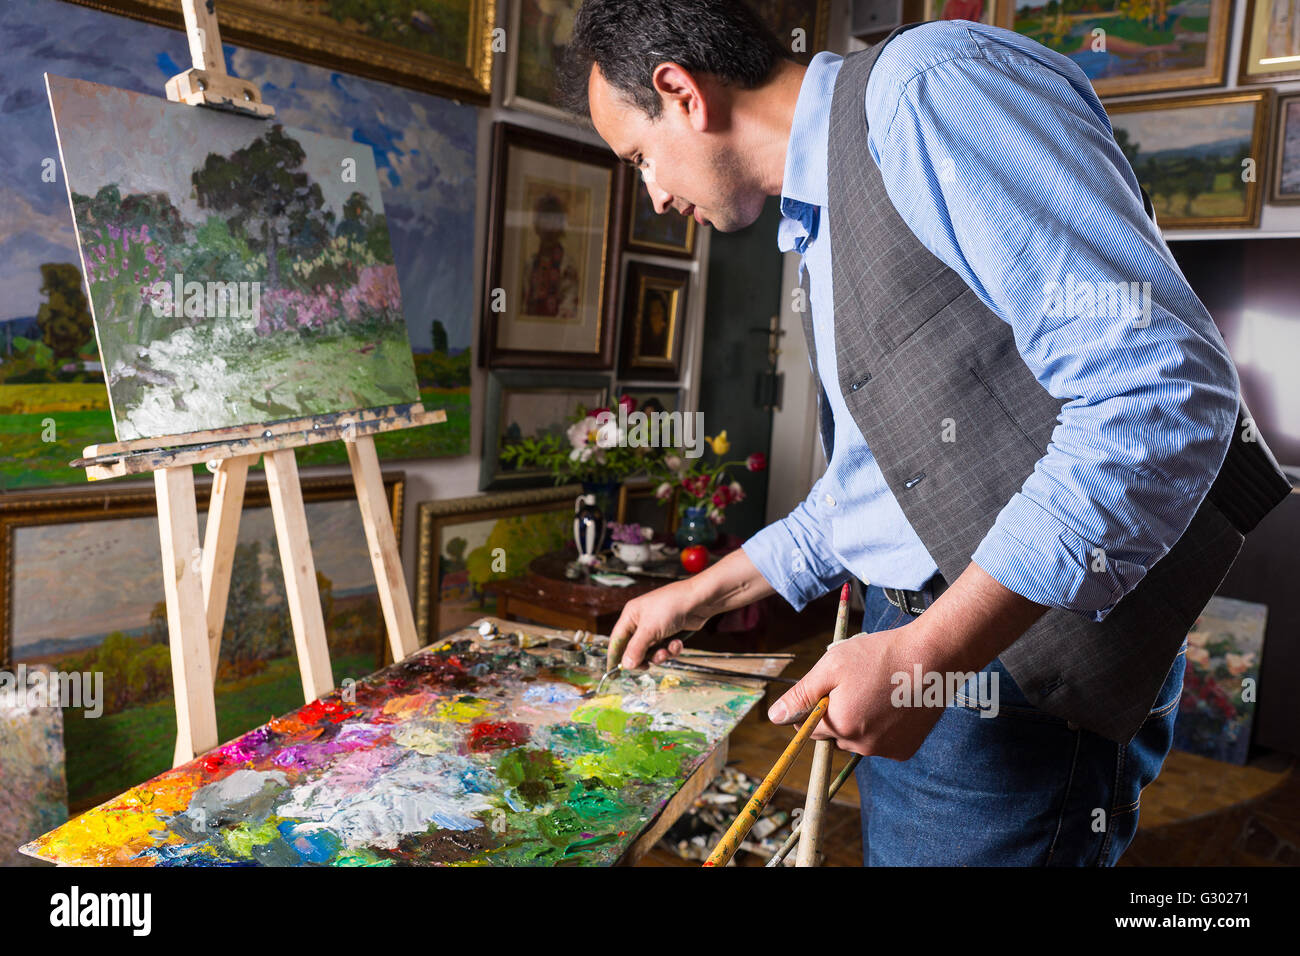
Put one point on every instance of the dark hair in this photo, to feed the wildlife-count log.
(629, 38)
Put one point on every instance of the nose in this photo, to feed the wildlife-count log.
(661, 199)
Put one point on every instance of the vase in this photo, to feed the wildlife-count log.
(606, 495)
(696, 528)
(588, 528)
(634, 556)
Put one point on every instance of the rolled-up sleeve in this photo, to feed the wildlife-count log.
(1007, 171)
(794, 555)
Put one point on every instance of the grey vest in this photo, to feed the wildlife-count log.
(915, 346)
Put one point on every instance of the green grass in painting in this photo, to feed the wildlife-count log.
(113, 753)
(437, 27)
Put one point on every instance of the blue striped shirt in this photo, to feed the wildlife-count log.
(998, 155)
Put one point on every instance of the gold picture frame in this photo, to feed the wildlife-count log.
(1182, 135)
(273, 26)
(435, 517)
(1258, 64)
(1211, 72)
(649, 352)
(1288, 117)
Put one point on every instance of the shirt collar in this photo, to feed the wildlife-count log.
(804, 189)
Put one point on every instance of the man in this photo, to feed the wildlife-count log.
(1043, 486)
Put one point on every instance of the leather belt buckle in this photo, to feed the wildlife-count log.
(910, 602)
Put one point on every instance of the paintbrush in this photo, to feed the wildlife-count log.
(795, 833)
(614, 656)
(723, 672)
(739, 829)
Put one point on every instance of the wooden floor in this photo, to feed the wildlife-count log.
(1198, 812)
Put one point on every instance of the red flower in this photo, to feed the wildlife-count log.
(756, 461)
(722, 497)
(629, 403)
(595, 412)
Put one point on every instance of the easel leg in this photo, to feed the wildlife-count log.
(178, 526)
(300, 587)
(389, 576)
(219, 539)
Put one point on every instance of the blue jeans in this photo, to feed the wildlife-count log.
(1024, 788)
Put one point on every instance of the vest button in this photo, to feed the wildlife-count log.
(914, 480)
(860, 382)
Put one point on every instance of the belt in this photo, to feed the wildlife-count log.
(912, 602)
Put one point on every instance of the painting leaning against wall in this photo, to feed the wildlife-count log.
(114, 622)
(53, 401)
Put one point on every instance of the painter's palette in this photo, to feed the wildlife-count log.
(463, 754)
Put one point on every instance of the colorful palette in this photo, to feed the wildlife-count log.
(469, 753)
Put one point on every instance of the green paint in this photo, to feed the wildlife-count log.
(241, 838)
(642, 756)
(535, 774)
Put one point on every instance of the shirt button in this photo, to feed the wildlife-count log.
(830, 502)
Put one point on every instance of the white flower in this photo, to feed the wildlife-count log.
(579, 433)
(673, 463)
(609, 435)
(663, 491)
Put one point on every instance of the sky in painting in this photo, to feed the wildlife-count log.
(125, 584)
(424, 150)
(1157, 130)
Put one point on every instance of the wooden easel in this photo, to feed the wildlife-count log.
(197, 581)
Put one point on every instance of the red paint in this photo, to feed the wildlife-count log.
(331, 709)
(497, 735)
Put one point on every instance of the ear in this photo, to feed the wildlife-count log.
(681, 93)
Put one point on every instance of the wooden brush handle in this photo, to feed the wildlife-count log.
(736, 834)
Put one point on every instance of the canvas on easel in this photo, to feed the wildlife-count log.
(239, 271)
(200, 372)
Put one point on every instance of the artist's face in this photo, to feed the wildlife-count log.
(686, 157)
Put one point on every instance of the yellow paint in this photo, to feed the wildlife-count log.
(463, 710)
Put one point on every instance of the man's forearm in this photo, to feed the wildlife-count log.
(731, 583)
(973, 621)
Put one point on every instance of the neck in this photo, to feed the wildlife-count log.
(767, 113)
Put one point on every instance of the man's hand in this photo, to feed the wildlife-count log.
(686, 605)
(655, 615)
(966, 627)
(857, 674)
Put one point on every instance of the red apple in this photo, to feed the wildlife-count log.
(695, 558)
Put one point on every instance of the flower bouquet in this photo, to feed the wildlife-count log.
(705, 488)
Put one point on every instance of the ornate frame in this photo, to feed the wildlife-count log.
(246, 23)
(434, 516)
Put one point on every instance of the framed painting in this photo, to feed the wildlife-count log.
(1127, 49)
(650, 399)
(526, 404)
(541, 30)
(1191, 155)
(1217, 706)
(114, 621)
(654, 322)
(553, 231)
(53, 398)
(467, 543)
(638, 504)
(1270, 49)
(670, 234)
(801, 26)
(438, 46)
(1286, 154)
(923, 11)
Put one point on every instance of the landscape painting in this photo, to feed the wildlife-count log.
(53, 400)
(239, 271)
(467, 544)
(115, 620)
(542, 29)
(1198, 157)
(1131, 46)
(33, 795)
(1286, 171)
(1217, 706)
(440, 46)
(465, 754)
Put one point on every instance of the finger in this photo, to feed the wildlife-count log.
(661, 655)
(638, 647)
(674, 648)
(800, 699)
